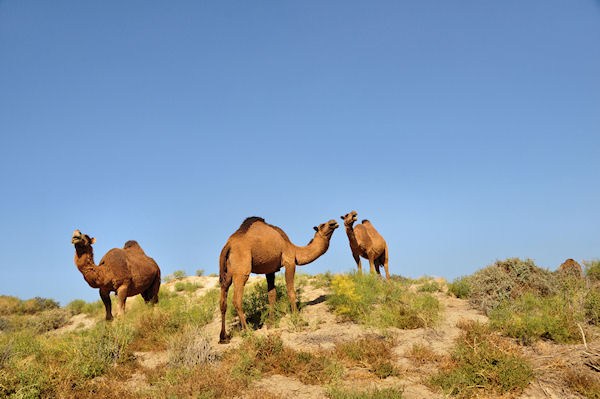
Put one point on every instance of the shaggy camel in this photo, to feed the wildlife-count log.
(365, 241)
(258, 247)
(126, 271)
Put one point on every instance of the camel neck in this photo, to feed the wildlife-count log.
(351, 236)
(317, 247)
(84, 260)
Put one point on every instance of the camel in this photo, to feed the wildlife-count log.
(365, 241)
(126, 271)
(258, 247)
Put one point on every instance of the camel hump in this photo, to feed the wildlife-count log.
(365, 221)
(130, 244)
(249, 222)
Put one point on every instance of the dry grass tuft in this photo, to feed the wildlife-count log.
(420, 354)
(369, 352)
(584, 382)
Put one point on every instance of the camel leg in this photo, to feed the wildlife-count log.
(372, 264)
(122, 294)
(377, 264)
(357, 260)
(272, 294)
(290, 271)
(225, 284)
(239, 281)
(151, 294)
(105, 296)
(385, 263)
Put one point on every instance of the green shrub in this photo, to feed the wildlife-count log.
(187, 286)
(460, 287)
(592, 306)
(76, 306)
(322, 280)
(9, 305)
(49, 320)
(592, 269)
(529, 318)
(179, 274)
(200, 272)
(256, 303)
(482, 363)
(429, 286)
(367, 299)
(507, 280)
(38, 304)
(384, 393)
(93, 308)
(102, 347)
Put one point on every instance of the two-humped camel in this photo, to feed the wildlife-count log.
(127, 271)
(365, 241)
(258, 247)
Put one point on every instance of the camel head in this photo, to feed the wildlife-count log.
(326, 229)
(81, 239)
(349, 218)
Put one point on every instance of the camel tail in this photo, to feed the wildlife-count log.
(223, 262)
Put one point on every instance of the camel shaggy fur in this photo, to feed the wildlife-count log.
(365, 241)
(258, 247)
(127, 271)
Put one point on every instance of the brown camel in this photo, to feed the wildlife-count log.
(365, 241)
(126, 271)
(258, 247)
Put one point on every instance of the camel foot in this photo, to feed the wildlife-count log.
(224, 340)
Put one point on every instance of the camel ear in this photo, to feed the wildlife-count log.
(316, 228)
(341, 217)
(93, 240)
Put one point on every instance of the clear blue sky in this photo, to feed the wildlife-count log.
(466, 131)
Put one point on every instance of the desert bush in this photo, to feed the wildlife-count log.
(153, 326)
(367, 299)
(190, 348)
(49, 320)
(38, 304)
(482, 363)
(9, 305)
(460, 287)
(374, 353)
(592, 306)
(4, 323)
(76, 306)
(200, 272)
(592, 269)
(529, 317)
(322, 280)
(101, 347)
(507, 280)
(584, 382)
(259, 355)
(187, 286)
(384, 393)
(420, 354)
(179, 274)
(256, 303)
(429, 286)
